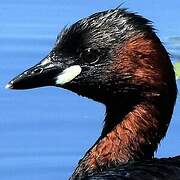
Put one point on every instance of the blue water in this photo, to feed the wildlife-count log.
(44, 132)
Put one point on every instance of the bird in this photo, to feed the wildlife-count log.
(115, 57)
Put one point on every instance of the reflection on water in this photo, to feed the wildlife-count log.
(44, 132)
(174, 47)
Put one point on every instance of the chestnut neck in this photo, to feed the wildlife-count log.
(116, 111)
(130, 133)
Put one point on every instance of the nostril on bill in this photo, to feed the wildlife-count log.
(37, 71)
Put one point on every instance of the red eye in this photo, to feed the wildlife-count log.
(90, 56)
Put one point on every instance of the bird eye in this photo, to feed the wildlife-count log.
(90, 56)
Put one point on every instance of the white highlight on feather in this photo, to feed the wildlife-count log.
(68, 74)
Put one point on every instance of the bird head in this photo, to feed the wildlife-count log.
(99, 57)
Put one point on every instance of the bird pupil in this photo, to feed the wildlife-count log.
(90, 56)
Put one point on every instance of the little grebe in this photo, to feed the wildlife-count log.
(115, 57)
